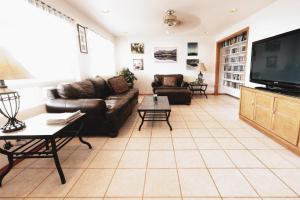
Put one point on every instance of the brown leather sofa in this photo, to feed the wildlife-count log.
(106, 111)
(177, 93)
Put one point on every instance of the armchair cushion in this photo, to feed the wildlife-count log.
(169, 81)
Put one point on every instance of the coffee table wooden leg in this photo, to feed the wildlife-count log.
(57, 163)
(168, 115)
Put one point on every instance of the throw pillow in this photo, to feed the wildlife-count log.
(169, 81)
(77, 90)
(118, 84)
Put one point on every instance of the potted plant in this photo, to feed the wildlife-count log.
(128, 75)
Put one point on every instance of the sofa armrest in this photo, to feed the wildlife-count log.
(94, 106)
(155, 84)
(184, 84)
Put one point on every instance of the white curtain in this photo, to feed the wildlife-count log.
(101, 55)
(45, 44)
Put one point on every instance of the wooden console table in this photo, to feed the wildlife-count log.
(41, 141)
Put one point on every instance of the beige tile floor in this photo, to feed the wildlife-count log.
(210, 154)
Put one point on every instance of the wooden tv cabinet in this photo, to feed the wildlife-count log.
(274, 114)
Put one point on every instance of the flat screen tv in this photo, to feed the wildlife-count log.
(275, 61)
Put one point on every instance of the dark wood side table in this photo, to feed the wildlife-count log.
(198, 87)
(41, 141)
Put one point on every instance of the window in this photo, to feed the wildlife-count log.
(45, 44)
(101, 55)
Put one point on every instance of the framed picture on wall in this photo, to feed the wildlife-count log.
(82, 39)
(165, 54)
(138, 64)
(192, 48)
(137, 48)
(192, 63)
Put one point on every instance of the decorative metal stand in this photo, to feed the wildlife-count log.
(9, 107)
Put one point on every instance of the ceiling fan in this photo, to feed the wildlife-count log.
(170, 19)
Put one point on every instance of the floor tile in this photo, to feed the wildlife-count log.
(291, 177)
(189, 159)
(161, 133)
(197, 182)
(219, 132)
(144, 133)
(134, 159)
(127, 183)
(203, 132)
(194, 124)
(267, 184)
(180, 133)
(24, 183)
(244, 159)
(106, 159)
(252, 143)
(238, 132)
(211, 124)
(231, 183)
(92, 183)
(289, 156)
(138, 144)
(53, 182)
(162, 183)
(184, 143)
(216, 159)
(207, 143)
(161, 159)
(229, 143)
(161, 144)
(79, 159)
(272, 159)
(115, 144)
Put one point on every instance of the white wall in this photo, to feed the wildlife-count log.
(279, 17)
(206, 54)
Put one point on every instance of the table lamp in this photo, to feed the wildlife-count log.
(201, 68)
(10, 69)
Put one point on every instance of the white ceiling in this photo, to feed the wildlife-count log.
(144, 17)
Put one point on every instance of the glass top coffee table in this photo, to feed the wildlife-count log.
(150, 110)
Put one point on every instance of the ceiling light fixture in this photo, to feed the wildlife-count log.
(233, 10)
(105, 11)
(170, 19)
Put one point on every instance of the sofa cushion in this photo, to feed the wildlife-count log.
(170, 81)
(77, 90)
(101, 88)
(129, 95)
(159, 78)
(118, 84)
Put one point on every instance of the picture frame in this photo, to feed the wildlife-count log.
(137, 48)
(165, 54)
(138, 64)
(192, 63)
(192, 48)
(82, 39)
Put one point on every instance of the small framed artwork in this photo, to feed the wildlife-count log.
(82, 39)
(138, 64)
(192, 48)
(192, 63)
(137, 48)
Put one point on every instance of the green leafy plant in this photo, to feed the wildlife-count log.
(128, 75)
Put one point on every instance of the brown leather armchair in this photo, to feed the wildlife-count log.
(177, 94)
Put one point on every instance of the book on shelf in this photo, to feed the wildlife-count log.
(61, 118)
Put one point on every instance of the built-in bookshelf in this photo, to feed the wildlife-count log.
(231, 63)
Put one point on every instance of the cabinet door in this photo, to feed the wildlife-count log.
(247, 103)
(263, 110)
(286, 119)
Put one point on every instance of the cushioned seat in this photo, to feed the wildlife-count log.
(175, 95)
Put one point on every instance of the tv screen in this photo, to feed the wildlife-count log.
(275, 61)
